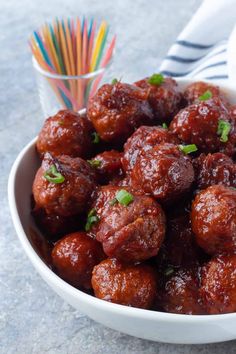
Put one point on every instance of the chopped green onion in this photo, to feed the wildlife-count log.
(113, 201)
(96, 138)
(223, 130)
(169, 271)
(92, 212)
(156, 79)
(94, 163)
(60, 122)
(164, 125)
(114, 81)
(205, 96)
(91, 219)
(52, 175)
(187, 149)
(124, 197)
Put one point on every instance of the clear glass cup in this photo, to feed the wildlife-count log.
(62, 91)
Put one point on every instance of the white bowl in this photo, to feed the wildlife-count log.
(152, 325)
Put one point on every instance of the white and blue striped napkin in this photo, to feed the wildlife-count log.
(206, 48)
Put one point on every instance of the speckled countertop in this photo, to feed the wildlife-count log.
(33, 319)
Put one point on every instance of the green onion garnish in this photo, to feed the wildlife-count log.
(113, 201)
(169, 271)
(91, 219)
(124, 197)
(187, 149)
(164, 125)
(205, 96)
(114, 81)
(60, 122)
(156, 79)
(223, 130)
(52, 175)
(94, 163)
(96, 138)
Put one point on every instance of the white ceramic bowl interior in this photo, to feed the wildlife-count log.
(152, 325)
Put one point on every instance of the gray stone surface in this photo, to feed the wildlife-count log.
(33, 319)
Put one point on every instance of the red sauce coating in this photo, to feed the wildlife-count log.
(130, 285)
(165, 99)
(117, 110)
(74, 257)
(213, 169)
(164, 172)
(55, 226)
(130, 233)
(213, 218)
(198, 124)
(197, 89)
(180, 293)
(66, 133)
(108, 166)
(70, 197)
(218, 284)
(144, 138)
(180, 248)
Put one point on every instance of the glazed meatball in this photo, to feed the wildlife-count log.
(74, 257)
(117, 110)
(197, 89)
(124, 284)
(201, 124)
(55, 226)
(108, 165)
(66, 133)
(132, 232)
(180, 248)
(218, 284)
(164, 98)
(180, 293)
(164, 172)
(213, 169)
(144, 138)
(214, 219)
(63, 185)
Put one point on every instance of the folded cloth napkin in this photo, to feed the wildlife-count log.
(206, 48)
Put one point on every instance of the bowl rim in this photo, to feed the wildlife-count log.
(53, 278)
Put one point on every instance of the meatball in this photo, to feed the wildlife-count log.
(197, 89)
(201, 124)
(164, 98)
(74, 257)
(66, 133)
(179, 292)
(108, 165)
(144, 138)
(132, 232)
(163, 171)
(218, 284)
(213, 169)
(55, 226)
(180, 248)
(213, 218)
(63, 185)
(117, 110)
(130, 285)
